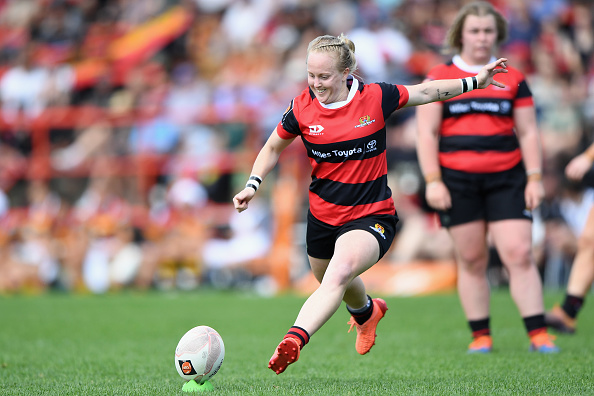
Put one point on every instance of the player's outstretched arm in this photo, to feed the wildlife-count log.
(433, 91)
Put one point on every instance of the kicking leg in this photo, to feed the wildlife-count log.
(355, 252)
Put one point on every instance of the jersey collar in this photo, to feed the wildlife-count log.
(457, 60)
(352, 92)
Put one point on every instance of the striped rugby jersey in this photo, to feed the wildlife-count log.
(346, 146)
(477, 130)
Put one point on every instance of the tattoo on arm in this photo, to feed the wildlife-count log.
(444, 94)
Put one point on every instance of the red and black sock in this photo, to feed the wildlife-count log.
(480, 327)
(362, 314)
(572, 305)
(298, 333)
(535, 324)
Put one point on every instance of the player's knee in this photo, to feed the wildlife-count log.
(473, 261)
(338, 278)
(518, 255)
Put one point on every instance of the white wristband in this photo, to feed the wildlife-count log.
(253, 184)
(468, 84)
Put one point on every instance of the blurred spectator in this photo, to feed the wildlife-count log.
(134, 13)
(558, 117)
(12, 164)
(188, 98)
(523, 27)
(382, 51)
(174, 235)
(89, 141)
(15, 19)
(153, 135)
(108, 256)
(4, 203)
(336, 16)
(243, 21)
(27, 242)
(27, 87)
(581, 31)
(237, 247)
(36, 246)
(59, 25)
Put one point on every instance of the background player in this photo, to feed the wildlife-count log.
(481, 158)
(563, 317)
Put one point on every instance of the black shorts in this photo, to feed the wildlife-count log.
(487, 196)
(321, 237)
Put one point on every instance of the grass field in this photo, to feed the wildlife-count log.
(123, 344)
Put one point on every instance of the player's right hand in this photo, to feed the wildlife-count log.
(438, 196)
(241, 199)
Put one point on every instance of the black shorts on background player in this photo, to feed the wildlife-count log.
(487, 196)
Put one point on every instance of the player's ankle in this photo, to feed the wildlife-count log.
(299, 334)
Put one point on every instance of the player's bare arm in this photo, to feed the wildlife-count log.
(265, 162)
(438, 90)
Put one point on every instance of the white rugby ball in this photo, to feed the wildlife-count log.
(199, 354)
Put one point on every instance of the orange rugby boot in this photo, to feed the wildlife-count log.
(481, 344)
(366, 332)
(543, 343)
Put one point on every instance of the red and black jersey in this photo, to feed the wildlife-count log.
(346, 146)
(477, 130)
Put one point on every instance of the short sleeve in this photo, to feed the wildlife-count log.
(394, 97)
(288, 127)
(524, 95)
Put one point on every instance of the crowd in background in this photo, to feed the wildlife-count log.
(133, 187)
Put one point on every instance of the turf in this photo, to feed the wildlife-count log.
(123, 344)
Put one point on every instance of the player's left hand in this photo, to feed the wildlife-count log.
(534, 194)
(485, 76)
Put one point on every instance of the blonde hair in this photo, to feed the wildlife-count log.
(341, 47)
(453, 40)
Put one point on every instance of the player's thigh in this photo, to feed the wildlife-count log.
(356, 251)
(470, 243)
(513, 240)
